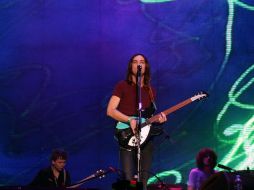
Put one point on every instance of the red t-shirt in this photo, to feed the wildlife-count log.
(128, 97)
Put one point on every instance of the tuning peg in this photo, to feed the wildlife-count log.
(205, 93)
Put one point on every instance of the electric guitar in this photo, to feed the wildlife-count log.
(98, 174)
(127, 139)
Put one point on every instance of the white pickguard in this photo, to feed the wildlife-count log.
(143, 136)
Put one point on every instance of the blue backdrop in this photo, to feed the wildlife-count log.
(59, 62)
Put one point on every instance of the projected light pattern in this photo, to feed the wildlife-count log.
(233, 95)
(246, 131)
(50, 52)
(243, 142)
(229, 30)
(244, 5)
(245, 137)
(174, 173)
(228, 41)
(155, 1)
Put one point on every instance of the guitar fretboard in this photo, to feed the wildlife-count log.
(167, 111)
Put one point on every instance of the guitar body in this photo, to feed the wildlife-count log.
(127, 139)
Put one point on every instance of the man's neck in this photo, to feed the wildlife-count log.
(55, 172)
(207, 169)
(135, 82)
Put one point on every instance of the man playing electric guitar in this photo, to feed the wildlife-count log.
(123, 106)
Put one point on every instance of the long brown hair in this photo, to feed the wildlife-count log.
(147, 75)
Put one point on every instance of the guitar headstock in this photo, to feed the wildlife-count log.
(100, 173)
(199, 96)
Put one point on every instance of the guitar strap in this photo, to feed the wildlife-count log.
(152, 97)
(64, 177)
(156, 129)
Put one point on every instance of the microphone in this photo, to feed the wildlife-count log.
(139, 68)
(225, 167)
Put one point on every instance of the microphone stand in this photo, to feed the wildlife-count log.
(138, 133)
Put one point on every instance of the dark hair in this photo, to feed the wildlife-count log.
(58, 154)
(147, 75)
(202, 154)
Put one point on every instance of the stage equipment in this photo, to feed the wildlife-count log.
(226, 180)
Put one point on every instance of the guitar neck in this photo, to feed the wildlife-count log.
(168, 111)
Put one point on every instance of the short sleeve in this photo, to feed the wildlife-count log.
(118, 90)
(192, 178)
